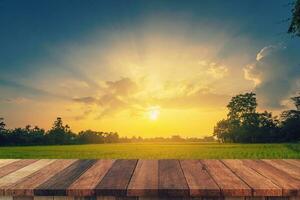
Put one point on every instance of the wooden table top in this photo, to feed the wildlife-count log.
(182, 178)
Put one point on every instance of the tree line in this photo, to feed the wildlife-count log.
(61, 134)
(244, 124)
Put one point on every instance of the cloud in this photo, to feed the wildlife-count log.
(200, 98)
(275, 74)
(126, 94)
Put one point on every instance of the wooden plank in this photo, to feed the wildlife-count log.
(290, 186)
(57, 185)
(10, 179)
(228, 182)
(293, 162)
(200, 183)
(7, 169)
(4, 162)
(22, 198)
(144, 181)
(26, 186)
(288, 168)
(171, 180)
(85, 184)
(116, 180)
(261, 186)
(6, 198)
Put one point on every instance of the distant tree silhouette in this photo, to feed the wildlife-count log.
(290, 125)
(295, 20)
(60, 134)
(2, 124)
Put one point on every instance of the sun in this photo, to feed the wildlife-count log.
(153, 113)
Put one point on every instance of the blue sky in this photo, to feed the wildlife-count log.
(71, 55)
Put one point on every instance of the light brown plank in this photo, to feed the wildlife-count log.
(228, 182)
(26, 187)
(290, 169)
(4, 162)
(144, 181)
(171, 180)
(293, 162)
(261, 186)
(199, 181)
(10, 179)
(290, 186)
(85, 184)
(7, 169)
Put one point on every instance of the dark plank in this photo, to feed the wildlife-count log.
(229, 183)
(57, 185)
(171, 180)
(200, 183)
(144, 181)
(26, 186)
(116, 180)
(85, 184)
(7, 169)
(290, 186)
(290, 169)
(261, 186)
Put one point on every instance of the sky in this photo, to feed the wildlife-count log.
(143, 68)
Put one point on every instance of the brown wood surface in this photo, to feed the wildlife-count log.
(144, 181)
(171, 180)
(229, 183)
(85, 184)
(293, 162)
(289, 185)
(290, 169)
(261, 186)
(7, 169)
(26, 186)
(8, 180)
(7, 161)
(150, 179)
(116, 180)
(199, 181)
(57, 185)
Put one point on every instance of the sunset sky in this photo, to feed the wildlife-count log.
(143, 68)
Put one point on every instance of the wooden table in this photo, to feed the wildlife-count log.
(50, 179)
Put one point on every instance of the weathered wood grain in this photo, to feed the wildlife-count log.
(57, 185)
(116, 180)
(261, 186)
(290, 186)
(171, 180)
(290, 169)
(228, 182)
(10, 179)
(293, 162)
(85, 184)
(4, 162)
(26, 186)
(200, 183)
(144, 181)
(7, 169)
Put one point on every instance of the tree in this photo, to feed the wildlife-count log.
(244, 124)
(60, 134)
(2, 124)
(290, 125)
(295, 21)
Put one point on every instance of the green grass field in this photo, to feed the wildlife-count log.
(155, 151)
